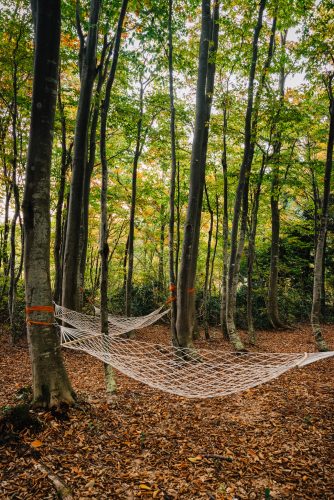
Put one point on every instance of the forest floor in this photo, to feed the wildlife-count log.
(275, 441)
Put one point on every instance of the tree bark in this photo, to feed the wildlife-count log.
(172, 263)
(130, 253)
(102, 74)
(240, 194)
(187, 274)
(104, 247)
(223, 306)
(65, 163)
(273, 310)
(15, 188)
(51, 385)
(251, 252)
(71, 268)
(318, 261)
(207, 267)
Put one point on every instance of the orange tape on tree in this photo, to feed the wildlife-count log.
(39, 309)
(45, 309)
(43, 323)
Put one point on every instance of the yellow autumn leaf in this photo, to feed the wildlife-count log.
(194, 460)
(143, 486)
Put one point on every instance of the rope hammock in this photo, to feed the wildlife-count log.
(118, 325)
(194, 374)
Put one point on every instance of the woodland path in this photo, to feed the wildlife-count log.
(274, 441)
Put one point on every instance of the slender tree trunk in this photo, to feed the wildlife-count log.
(178, 225)
(125, 265)
(128, 288)
(251, 252)
(273, 310)
(12, 262)
(8, 195)
(65, 163)
(172, 263)
(187, 274)
(51, 386)
(318, 261)
(207, 267)
(223, 311)
(71, 267)
(6, 227)
(104, 230)
(161, 267)
(102, 74)
(214, 253)
(240, 194)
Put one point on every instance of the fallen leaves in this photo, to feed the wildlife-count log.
(275, 440)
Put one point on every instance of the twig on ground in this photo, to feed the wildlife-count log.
(63, 491)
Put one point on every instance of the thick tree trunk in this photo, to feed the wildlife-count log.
(187, 274)
(240, 194)
(51, 385)
(318, 261)
(207, 268)
(71, 267)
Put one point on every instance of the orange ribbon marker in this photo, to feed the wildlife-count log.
(191, 290)
(31, 309)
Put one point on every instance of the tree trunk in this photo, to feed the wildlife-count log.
(71, 268)
(161, 267)
(128, 288)
(251, 252)
(225, 230)
(318, 261)
(172, 263)
(273, 312)
(207, 268)
(102, 74)
(186, 279)
(104, 247)
(241, 195)
(51, 386)
(12, 262)
(65, 163)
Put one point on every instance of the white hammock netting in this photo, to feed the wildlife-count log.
(118, 325)
(194, 374)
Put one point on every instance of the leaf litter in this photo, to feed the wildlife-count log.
(274, 441)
